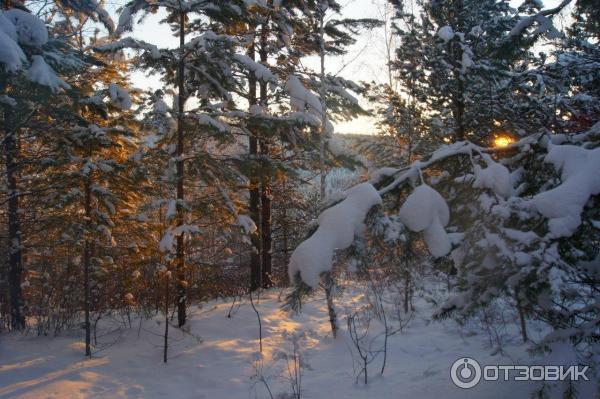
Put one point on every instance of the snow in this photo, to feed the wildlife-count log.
(580, 180)
(43, 74)
(438, 241)
(461, 147)
(466, 61)
(171, 209)
(250, 3)
(495, 177)
(425, 210)
(476, 31)
(522, 237)
(304, 117)
(207, 120)
(160, 106)
(520, 26)
(94, 9)
(247, 224)
(119, 96)
(7, 100)
(256, 109)
(11, 55)
(7, 27)
(340, 147)
(393, 229)
(379, 174)
(342, 92)
(568, 159)
(129, 42)
(217, 357)
(338, 226)
(167, 242)
(103, 15)
(446, 33)
(301, 98)
(30, 30)
(125, 21)
(545, 26)
(422, 206)
(260, 71)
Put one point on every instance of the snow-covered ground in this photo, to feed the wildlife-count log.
(218, 358)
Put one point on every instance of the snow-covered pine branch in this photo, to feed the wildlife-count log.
(338, 227)
(508, 223)
(131, 43)
(543, 19)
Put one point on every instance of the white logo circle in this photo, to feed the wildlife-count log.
(465, 373)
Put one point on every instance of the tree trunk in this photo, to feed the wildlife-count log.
(15, 257)
(180, 253)
(253, 206)
(15, 261)
(459, 104)
(87, 259)
(329, 287)
(406, 291)
(266, 241)
(323, 173)
(521, 317)
(411, 118)
(166, 335)
(458, 96)
(265, 191)
(284, 227)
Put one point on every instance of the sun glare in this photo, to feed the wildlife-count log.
(502, 141)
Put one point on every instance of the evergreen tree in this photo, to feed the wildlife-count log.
(31, 65)
(454, 62)
(197, 71)
(586, 23)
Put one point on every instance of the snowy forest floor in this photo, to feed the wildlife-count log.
(218, 358)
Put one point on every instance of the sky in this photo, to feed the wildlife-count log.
(365, 60)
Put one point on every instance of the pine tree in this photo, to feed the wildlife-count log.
(281, 37)
(32, 76)
(95, 158)
(586, 23)
(192, 74)
(460, 62)
(500, 222)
